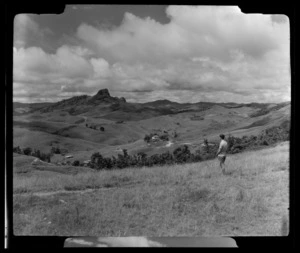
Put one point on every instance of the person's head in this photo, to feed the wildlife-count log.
(222, 136)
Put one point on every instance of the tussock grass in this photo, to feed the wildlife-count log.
(180, 200)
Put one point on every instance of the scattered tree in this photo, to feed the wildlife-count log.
(76, 163)
(184, 155)
(55, 150)
(17, 150)
(27, 151)
(147, 138)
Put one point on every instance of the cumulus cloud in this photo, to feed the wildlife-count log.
(24, 27)
(27, 31)
(193, 31)
(68, 70)
(100, 67)
(214, 53)
(218, 29)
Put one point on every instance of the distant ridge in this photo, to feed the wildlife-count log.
(115, 108)
(103, 95)
(160, 102)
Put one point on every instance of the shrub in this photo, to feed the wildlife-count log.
(265, 143)
(230, 141)
(63, 151)
(17, 150)
(141, 159)
(125, 153)
(76, 163)
(123, 161)
(107, 163)
(154, 160)
(55, 150)
(166, 158)
(147, 138)
(164, 137)
(182, 154)
(197, 157)
(46, 157)
(36, 153)
(97, 161)
(27, 151)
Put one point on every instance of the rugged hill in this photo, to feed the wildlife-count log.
(80, 104)
(105, 106)
(103, 96)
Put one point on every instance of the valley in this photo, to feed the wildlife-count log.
(75, 124)
(57, 197)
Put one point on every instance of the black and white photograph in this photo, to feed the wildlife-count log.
(151, 121)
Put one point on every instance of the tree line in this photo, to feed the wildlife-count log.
(183, 154)
(33, 152)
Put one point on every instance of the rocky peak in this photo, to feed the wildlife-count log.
(102, 94)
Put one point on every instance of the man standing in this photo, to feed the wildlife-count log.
(222, 152)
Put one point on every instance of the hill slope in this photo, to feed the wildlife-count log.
(75, 123)
(188, 200)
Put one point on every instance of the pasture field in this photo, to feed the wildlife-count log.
(43, 131)
(196, 199)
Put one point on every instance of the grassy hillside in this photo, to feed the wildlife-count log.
(181, 200)
(191, 127)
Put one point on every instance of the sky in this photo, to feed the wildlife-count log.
(189, 53)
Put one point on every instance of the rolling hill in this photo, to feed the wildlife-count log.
(75, 123)
(192, 199)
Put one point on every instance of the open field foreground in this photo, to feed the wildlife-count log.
(182, 200)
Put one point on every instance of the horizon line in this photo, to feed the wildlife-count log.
(288, 101)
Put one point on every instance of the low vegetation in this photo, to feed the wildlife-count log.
(193, 199)
(268, 137)
(160, 136)
(183, 155)
(154, 186)
(36, 153)
(179, 156)
(95, 127)
(263, 110)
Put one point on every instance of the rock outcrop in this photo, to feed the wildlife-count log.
(103, 96)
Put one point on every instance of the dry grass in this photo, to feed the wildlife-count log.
(182, 200)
